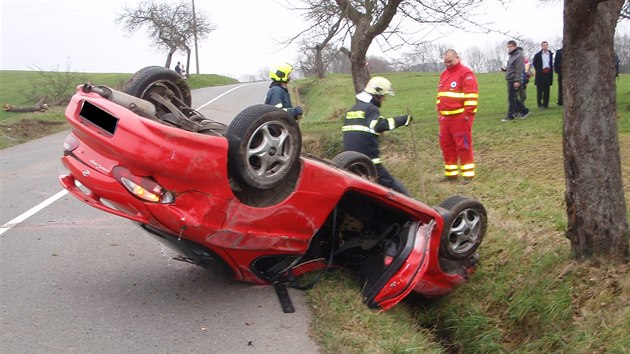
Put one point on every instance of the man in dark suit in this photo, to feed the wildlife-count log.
(543, 63)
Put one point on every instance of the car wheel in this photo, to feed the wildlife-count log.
(264, 146)
(464, 227)
(157, 79)
(356, 163)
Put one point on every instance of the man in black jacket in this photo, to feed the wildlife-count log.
(543, 63)
(278, 93)
(363, 125)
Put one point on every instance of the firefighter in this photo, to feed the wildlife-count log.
(278, 94)
(364, 124)
(456, 105)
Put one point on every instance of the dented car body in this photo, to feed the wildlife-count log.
(243, 200)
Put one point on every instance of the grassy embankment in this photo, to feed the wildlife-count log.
(16, 128)
(528, 295)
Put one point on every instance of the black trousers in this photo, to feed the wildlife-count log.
(542, 95)
(387, 180)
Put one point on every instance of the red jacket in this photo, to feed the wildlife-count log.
(457, 91)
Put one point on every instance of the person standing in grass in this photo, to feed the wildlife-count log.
(363, 124)
(543, 63)
(456, 106)
(514, 70)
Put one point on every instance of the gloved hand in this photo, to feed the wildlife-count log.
(409, 119)
(297, 112)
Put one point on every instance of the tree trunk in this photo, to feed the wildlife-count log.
(596, 209)
(187, 62)
(319, 62)
(40, 106)
(169, 57)
(358, 61)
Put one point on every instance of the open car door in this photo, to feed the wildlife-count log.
(391, 275)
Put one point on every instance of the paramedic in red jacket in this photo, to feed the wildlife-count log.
(456, 105)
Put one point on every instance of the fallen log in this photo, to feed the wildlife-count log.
(40, 106)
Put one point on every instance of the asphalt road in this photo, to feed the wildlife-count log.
(75, 279)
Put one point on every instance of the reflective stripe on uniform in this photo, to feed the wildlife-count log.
(451, 94)
(392, 123)
(470, 103)
(377, 160)
(450, 170)
(451, 173)
(450, 113)
(468, 170)
(357, 128)
(471, 95)
(355, 115)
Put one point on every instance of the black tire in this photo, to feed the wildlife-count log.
(159, 80)
(264, 146)
(357, 163)
(464, 227)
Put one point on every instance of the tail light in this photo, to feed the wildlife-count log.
(145, 188)
(70, 144)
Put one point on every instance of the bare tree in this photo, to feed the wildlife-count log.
(426, 57)
(364, 21)
(596, 208)
(169, 25)
(625, 10)
(325, 22)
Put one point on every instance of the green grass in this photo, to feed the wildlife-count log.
(17, 89)
(528, 295)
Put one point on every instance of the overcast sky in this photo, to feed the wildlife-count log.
(82, 35)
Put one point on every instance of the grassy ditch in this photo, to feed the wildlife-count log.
(528, 295)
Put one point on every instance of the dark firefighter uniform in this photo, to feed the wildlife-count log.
(456, 105)
(278, 94)
(361, 128)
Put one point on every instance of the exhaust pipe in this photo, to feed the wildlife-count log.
(133, 103)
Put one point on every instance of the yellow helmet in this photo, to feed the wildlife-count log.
(379, 86)
(281, 72)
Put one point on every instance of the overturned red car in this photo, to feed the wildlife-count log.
(243, 200)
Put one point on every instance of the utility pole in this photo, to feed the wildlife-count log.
(195, 35)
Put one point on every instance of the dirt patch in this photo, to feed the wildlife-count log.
(28, 129)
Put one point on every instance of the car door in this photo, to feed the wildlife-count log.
(391, 275)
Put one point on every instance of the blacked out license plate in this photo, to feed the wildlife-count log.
(99, 117)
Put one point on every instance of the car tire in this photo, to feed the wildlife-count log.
(357, 163)
(464, 227)
(160, 80)
(264, 146)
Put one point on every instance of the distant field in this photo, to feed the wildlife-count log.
(21, 88)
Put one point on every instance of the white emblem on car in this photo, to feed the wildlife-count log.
(99, 166)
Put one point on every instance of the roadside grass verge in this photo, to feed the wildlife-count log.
(528, 295)
(17, 88)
